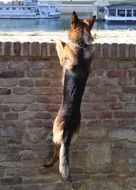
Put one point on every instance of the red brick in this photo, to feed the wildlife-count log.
(114, 50)
(110, 98)
(46, 90)
(43, 115)
(23, 99)
(34, 73)
(42, 99)
(129, 89)
(38, 65)
(117, 73)
(11, 180)
(4, 108)
(52, 50)
(44, 49)
(26, 82)
(11, 116)
(3, 65)
(26, 49)
(97, 50)
(42, 82)
(8, 82)
(122, 50)
(123, 114)
(49, 99)
(89, 115)
(35, 49)
(52, 107)
(34, 123)
(106, 115)
(106, 50)
(100, 90)
(1, 116)
(127, 122)
(131, 50)
(12, 74)
(101, 123)
(116, 106)
(5, 91)
(7, 48)
(97, 65)
(21, 90)
(18, 107)
(1, 45)
(17, 48)
(132, 73)
(52, 73)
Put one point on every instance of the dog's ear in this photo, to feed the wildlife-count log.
(74, 18)
(92, 21)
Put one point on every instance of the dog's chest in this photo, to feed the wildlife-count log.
(84, 56)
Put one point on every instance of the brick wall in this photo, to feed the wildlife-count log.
(104, 157)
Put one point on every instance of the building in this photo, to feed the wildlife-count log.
(120, 12)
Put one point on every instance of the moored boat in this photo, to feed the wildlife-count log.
(28, 9)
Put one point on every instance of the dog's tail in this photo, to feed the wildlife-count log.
(64, 155)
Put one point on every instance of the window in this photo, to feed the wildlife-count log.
(134, 12)
(112, 12)
(129, 13)
(121, 13)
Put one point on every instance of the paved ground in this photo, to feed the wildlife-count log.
(118, 36)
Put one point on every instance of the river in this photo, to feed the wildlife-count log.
(51, 25)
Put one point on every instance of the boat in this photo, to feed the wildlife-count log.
(120, 12)
(28, 9)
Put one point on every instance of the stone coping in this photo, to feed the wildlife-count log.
(46, 50)
(101, 36)
(107, 44)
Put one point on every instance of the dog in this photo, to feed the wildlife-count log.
(75, 58)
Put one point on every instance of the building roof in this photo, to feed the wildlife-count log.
(122, 5)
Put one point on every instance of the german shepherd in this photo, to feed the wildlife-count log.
(75, 58)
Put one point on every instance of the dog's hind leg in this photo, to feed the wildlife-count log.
(55, 157)
(64, 156)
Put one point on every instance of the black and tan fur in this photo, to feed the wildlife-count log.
(75, 59)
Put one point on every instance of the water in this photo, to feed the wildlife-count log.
(49, 25)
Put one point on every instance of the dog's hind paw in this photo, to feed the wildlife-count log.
(67, 178)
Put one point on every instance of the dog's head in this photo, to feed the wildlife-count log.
(80, 30)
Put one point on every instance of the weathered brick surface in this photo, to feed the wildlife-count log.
(17, 48)
(11, 74)
(30, 94)
(5, 91)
